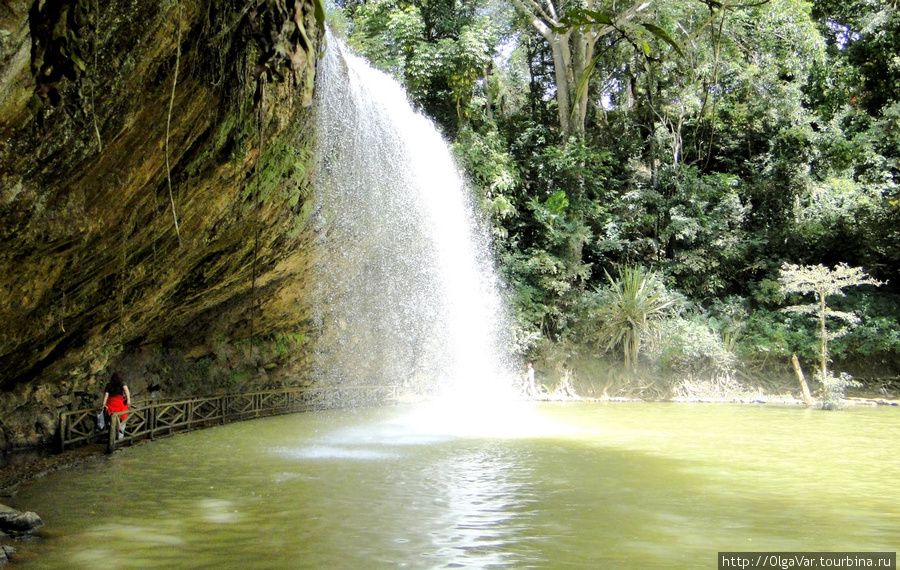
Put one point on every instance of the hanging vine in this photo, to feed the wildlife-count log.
(279, 29)
(169, 123)
(253, 299)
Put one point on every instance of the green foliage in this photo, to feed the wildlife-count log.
(833, 388)
(634, 31)
(878, 330)
(492, 172)
(772, 334)
(822, 282)
(863, 36)
(283, 343)
(548, 291)
(439, 50)
(203, 365)
(696, 224)
(718, 141)
(237, 378)
(693, 347)
(284, 170)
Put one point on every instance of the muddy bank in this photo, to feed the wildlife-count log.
(19, 467)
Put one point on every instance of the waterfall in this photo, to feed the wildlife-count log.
(406, 291)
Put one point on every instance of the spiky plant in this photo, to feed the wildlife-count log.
(631, 310)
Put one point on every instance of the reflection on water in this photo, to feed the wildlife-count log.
(481, 512)
(640, 486)
(330, 452)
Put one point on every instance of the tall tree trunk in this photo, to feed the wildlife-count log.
(823, 344)
(573, 53)
(559, 47)
(488, 95)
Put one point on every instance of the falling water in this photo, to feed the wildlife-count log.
(407, 292)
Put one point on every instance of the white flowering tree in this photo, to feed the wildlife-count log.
(823, 283)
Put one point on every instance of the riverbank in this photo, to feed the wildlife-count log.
(770, 400)
(31, 464)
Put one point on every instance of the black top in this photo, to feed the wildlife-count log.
(114, 389)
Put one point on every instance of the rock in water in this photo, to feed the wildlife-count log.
(15, 522)
(6, 554)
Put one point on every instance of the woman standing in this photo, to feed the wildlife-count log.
(117, 398)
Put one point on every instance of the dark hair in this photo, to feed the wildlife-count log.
(118, 379)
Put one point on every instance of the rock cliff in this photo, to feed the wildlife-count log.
(154, 200)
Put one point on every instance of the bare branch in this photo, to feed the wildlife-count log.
(552, 9)
(622, 18)
(536, 11)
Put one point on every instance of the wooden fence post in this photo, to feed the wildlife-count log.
(63, 421)
(113, 430)
(151, 419)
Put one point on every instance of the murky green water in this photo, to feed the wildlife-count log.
(588, 485)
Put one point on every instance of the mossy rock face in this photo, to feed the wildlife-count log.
(94, 274)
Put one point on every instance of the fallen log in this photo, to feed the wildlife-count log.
(803, 385)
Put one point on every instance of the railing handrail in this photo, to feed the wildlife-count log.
(148, 416)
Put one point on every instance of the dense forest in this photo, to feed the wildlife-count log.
(650, 171)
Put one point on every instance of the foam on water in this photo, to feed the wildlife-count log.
(431, 424)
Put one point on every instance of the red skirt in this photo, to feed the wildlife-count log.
(117, 404)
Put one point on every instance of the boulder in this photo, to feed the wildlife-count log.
(15, 522)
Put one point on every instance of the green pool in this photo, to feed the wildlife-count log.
(569, 485)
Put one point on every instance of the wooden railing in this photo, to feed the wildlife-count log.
(152, 419)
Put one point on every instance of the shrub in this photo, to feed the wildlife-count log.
(693, 347)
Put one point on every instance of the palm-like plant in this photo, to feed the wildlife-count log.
(631, 310)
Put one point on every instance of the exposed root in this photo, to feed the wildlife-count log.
(726, 388)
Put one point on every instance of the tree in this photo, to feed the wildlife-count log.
(439, 49)
(824, 282)
(856, 92)
(572, 37)
(765, 130)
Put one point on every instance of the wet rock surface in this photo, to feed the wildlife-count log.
(16, 523)
(148, 228)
